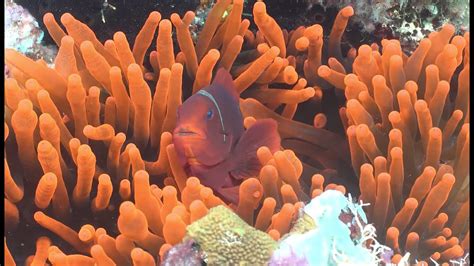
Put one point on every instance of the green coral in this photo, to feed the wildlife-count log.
(303, 224)
(228, 240)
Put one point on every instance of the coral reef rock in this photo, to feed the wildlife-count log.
(227, 239)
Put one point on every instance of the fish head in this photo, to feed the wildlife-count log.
(209, 123)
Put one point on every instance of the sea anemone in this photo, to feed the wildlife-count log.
(82, 129)
(407, 126)
(92, 126)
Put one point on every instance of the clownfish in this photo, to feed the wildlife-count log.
(211, 141)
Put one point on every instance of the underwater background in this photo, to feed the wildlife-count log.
(368, 163)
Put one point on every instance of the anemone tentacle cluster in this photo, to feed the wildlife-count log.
(408, 130)
(90, 138)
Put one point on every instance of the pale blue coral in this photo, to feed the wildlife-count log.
(330, 243)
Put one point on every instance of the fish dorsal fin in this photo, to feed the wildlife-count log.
(263, 133)
(224, 79)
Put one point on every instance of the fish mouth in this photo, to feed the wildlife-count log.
(188, 133)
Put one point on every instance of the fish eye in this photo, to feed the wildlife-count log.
(209, 114)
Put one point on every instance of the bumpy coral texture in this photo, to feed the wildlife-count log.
(408, 130)
(227, 239)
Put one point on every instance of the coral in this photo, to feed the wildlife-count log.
(330, 241)
(292, 257)
(24, 34)
(407, 20)
(185, 253)
(303, 224)
(225, 238)
(408, 119)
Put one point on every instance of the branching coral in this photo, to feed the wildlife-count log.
(408, 120)
(339, 235)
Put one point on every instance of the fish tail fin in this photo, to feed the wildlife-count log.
(263, 133)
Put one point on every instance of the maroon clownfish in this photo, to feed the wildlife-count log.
(212, 143)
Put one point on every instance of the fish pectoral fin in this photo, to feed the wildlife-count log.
(263, 133)
(246, 169)
(230, 194)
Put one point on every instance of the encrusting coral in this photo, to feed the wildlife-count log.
(185, 253)
(91, 138)
(227, 239)
(407, 124)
